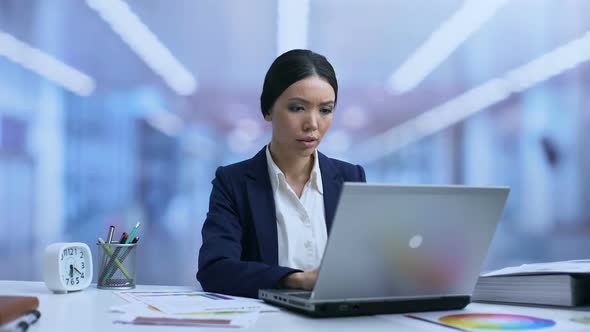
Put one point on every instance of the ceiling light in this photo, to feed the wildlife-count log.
(166, 122)
(442, 43)
(147, 45)
(45, 65)
(477, 99)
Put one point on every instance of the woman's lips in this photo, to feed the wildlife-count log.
(308, 142)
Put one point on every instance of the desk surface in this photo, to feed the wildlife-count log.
(89, 311)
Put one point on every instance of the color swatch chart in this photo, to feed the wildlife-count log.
(492, 321)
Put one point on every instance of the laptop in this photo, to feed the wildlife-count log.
(397, 249)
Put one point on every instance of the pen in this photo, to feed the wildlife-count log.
(110, 236)
(123, 256)
(110, 253)
(109, 240)
(124, 237)
(22, 323)
(132, 234)
(117, 255)
(109, 267)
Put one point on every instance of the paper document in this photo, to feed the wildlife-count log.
(188, 308)
(573, 266)
(140, 314)
(189, 302)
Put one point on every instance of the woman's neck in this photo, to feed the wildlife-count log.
(297, 169)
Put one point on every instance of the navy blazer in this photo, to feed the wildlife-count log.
(239, 254)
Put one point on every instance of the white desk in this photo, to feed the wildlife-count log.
(88, 310)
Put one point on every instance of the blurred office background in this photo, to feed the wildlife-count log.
(114, 112)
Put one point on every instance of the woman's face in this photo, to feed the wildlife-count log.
(301, 116)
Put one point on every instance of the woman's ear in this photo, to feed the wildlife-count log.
(268, 117)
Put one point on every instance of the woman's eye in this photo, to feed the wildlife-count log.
(326, 110)
(295, 108)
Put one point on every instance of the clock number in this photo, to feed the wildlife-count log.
(82, 266)
(77, 280)
(71, 252)
(82, 275)
(67, 281)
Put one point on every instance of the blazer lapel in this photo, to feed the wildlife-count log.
(262, 207)
(332, 183)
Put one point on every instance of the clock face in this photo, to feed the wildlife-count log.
(75, 267)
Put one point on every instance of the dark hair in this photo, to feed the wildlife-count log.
(290, 67)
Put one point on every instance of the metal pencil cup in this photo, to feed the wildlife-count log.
(116, 265)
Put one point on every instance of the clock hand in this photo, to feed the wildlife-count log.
(77, 270)
(71, 271)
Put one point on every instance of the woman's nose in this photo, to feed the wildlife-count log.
(311, 121)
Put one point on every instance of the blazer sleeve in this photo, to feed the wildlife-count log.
(221, 269)
(361, 173)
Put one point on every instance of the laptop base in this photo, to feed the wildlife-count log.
(352, 308)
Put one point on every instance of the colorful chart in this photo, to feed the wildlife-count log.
(496, 321)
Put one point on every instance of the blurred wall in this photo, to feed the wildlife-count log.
(134, 150)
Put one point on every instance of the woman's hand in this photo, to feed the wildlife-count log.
(302, 280)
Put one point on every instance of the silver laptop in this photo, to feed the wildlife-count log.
(395, 248)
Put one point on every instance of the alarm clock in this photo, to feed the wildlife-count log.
(67, 266)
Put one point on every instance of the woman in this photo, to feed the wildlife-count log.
(269, 216)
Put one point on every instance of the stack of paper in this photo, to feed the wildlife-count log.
(189, 308)
(564, 283)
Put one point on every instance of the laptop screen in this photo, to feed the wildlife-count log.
(408, 241)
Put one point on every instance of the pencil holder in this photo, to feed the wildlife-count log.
(116, 263)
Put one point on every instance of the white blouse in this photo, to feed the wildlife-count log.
(301, 222)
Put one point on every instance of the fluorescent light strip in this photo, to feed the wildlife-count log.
(441, 43)
(293, 23)
(45, 65)
(477, 99)
(147, 45)
(168, 123)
